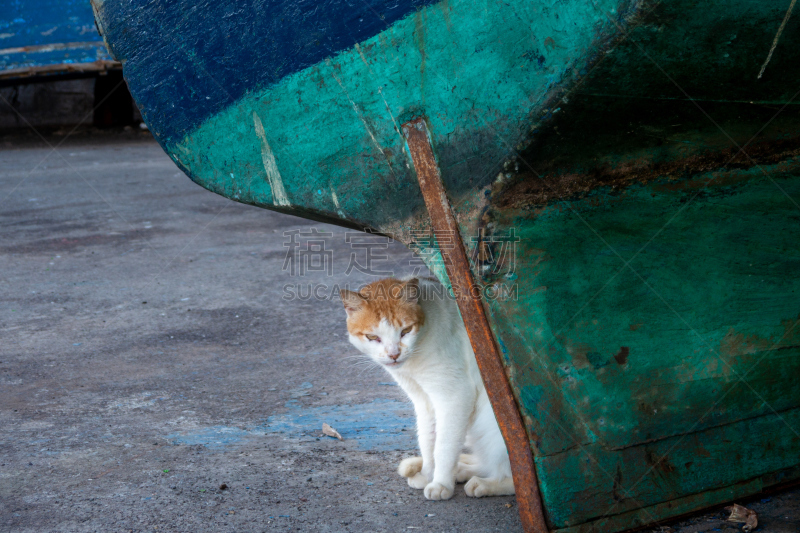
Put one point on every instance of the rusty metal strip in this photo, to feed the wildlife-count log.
(480, 335)
(95, 67)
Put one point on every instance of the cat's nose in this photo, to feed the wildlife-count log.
(394, 356)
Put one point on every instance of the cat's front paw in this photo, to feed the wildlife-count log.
(418, 481)
(437, 491)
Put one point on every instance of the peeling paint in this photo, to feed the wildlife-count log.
(274, 177)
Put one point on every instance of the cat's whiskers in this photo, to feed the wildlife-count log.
(358, 357)
(409, 352)
(360, 361)
(371, 368)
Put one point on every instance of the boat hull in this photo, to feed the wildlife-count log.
(50, 38)
(625, 184)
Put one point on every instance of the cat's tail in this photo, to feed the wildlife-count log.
(478, 487)
(410, 466)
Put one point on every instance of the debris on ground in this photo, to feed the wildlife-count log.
(329, 431)
(742, 515)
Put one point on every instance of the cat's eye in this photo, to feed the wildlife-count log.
(373, 337)
(406, 331)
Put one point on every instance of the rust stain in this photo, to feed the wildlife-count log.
(661, 464)
(734, 343)
(622, 357)
(578, 352)
(539, 188)
(101, 65)
(645, 408)
(634, 327)
(791, 334)
(480, 335)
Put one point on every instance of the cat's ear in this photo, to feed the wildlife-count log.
(411, 290)
(352, 301)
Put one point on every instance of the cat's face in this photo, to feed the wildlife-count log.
(383, 319)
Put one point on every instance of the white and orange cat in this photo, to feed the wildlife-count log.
(413, 329)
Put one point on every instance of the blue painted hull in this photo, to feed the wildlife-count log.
(49, 36)
(248, 46)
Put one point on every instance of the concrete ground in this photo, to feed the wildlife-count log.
(162, 369)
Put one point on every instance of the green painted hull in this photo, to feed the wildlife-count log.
(650, 322)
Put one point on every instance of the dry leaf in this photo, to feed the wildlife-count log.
(743, 515)
(329, 431)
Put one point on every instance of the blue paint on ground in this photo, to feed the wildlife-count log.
(381, 425)
(211, 437)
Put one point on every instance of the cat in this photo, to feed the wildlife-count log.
(412, 328)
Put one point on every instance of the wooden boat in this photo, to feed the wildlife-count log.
(50, 38)
(614, 190)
